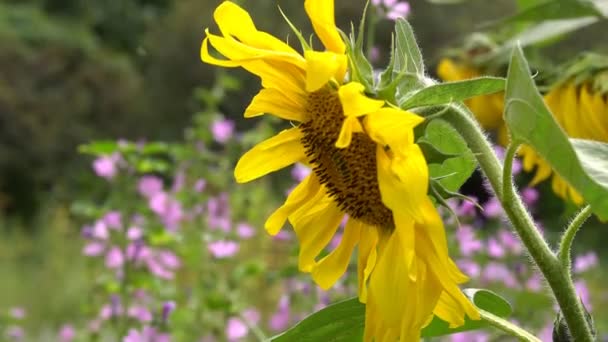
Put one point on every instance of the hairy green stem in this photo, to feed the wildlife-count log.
(502, 183)
(566, 243)
(508, 327)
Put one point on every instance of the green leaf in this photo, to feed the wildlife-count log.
(431, 154)
(453, 92)
(453, 172)
(556, 9)
(582, 164)
(547, 30)
(98, 148)
(408, 64)
(345, 321)
(407, 53)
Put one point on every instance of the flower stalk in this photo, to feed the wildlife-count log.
(501, 181)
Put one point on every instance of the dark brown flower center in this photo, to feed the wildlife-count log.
(349, 174)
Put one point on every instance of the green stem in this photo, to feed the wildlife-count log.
(547, 262)
(507, 326)
(566, 243)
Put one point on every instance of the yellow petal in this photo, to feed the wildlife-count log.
(593, 114)
(448, 70)
(275, 102)
(403, 181)
(349, 126)
(274, 72)
(367, 258)
(572, 122)
(354, 102)
(323, 66)
(234, 21)
(543, 171)
(392, 127)
(315, 225)
(321, 14)
(270, 155)
(301, 194)
(238, 52)
(332, 267)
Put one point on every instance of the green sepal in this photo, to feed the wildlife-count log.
(361, 68)
(432, 155)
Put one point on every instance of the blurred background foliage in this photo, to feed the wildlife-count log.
(74, 71)
(79, 70)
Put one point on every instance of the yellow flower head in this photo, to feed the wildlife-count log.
(487, 108)
(582, 112)
(366, 166)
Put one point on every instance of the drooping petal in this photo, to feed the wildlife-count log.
(322, 67)
(332, 267)
(367, 258)
(403, 180)
(354, 102)
(238, 52)
(596, 117)
(315, 224)
(350, 125)
(270, 155)
(275, 102)
(300, 195)
(321, 14)
(392, 127)
(233, 20)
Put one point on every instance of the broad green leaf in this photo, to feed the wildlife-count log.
(581, 164)
(453, 172)
(453, 92)
(431, 154)
(524, 4)
(556, 9)
(548, 30)
(345, 321)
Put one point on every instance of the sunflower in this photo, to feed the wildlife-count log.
(487, 108)
(365, 165)
(582, 112)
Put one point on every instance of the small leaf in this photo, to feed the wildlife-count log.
(408, 66)
(453, 92)
(407, 53)
(581, 163)
(431, 154)
(455, 171)
(99, 148)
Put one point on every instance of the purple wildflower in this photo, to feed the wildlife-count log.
(94, 249)
(222, 130)
(67, 333)
(148, 186)
(168, 308)
(392, 9)
(245, 230)
(280, 319)
(585, 262)
(106, 166)
(140, 313)
(299, 172)
(15, 333)
(17, 312)
(469, 244)
(114, 258)
(112, 220)
(495, 249)
(199, 185)
(223, 248)
(236, 329)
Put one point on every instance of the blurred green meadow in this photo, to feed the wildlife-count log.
(118, 208)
